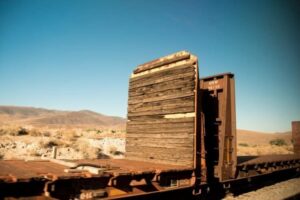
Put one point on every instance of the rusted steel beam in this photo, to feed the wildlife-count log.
(296, 136)
(218, 105)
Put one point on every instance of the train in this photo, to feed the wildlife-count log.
(180, 139)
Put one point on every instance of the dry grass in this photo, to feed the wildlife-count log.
(264, 150)
(258, 143)
(31, 142)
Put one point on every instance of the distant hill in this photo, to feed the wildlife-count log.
(55, 118)
(254, 137)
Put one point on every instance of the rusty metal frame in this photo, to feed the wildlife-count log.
(218, 106)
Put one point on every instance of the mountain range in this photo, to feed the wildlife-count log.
(56, 118)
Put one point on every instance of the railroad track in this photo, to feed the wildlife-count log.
(288, 189)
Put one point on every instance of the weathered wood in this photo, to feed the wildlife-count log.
(158, 156)
(182, 135)
(163, 121)
(161, 151)
(168, 102)
(188, 74)
(145, 118)
(178, 161)
(165, 126)
(187, 66)
(161, 127)
(170, 157)
(169, 89)
(161, 106)
(187, 156)
(146, 141)
(162, 61)
(161, 94)
(185, 109)
(162, 144)
(162, 98)
(157, 131)
(164, 86)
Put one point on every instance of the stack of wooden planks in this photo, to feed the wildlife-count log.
(162, 110)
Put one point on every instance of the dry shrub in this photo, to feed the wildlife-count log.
(88, 151)
(112, 149)
(3, 132)
(278, 142)
(58, 134)
(69, 135)
(34, 153)
(35, 133)
(53, 143)
(243, 144)
(14, 131)
(46, 134)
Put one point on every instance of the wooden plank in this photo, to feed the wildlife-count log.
(189, 74)
(163, 72)
(162, 98)
(145, 118)
(164, 126)
(170, 141)
(163, 145)
(160, 151)
(178, 161)
(160, 87)
(158, 134)
(162, 61)
(163, 121)
(161, 135)
(166, 102)
(149, 117)
(162, 93)
(176, 156)
(183, 102)
(186, 109)
(158, 130)
(161, 106)
(171, 158)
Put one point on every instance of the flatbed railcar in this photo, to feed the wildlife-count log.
(181, 137)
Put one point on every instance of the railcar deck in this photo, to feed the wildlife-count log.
(21, 170)
(262, 159)
(11, 170)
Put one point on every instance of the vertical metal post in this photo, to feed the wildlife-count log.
(296, 136)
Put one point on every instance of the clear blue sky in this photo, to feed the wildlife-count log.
(75, 55)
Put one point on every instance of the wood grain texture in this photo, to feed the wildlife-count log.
(162, 61)
(152, 96)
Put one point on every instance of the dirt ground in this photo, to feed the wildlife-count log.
(70, 144)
